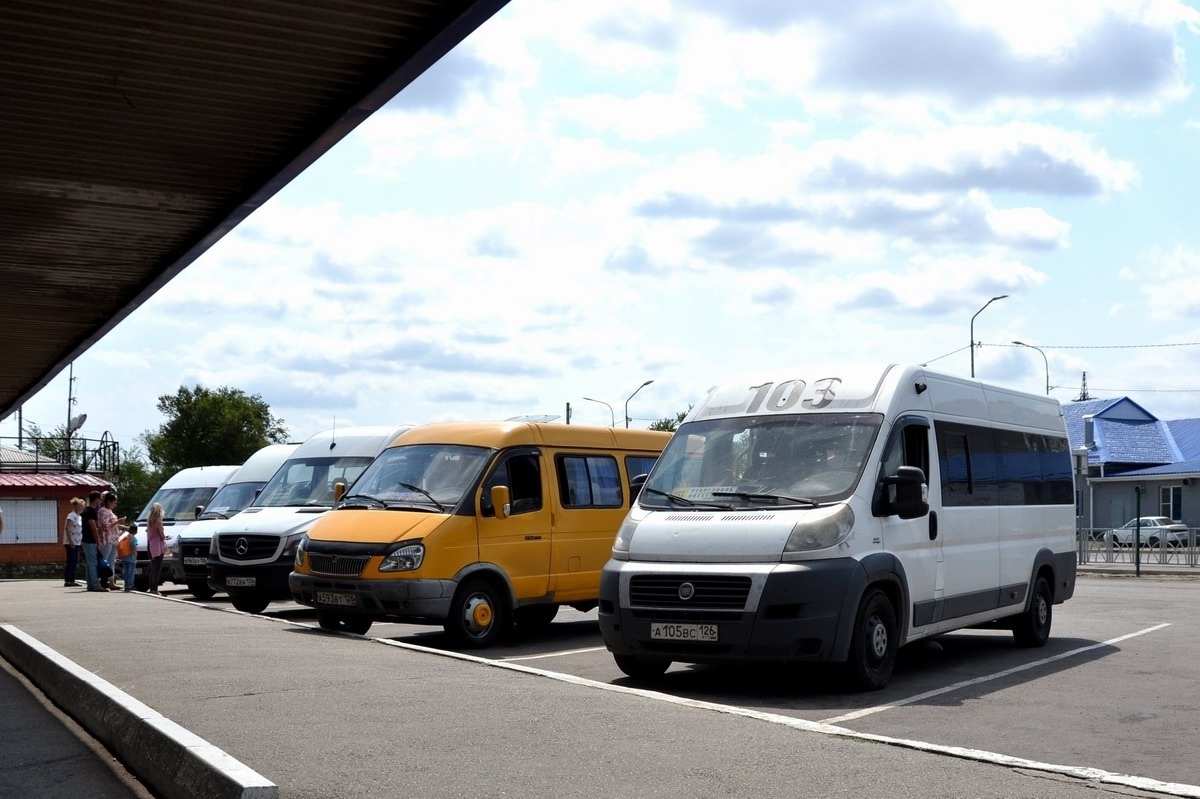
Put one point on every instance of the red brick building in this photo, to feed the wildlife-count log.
(35, 505)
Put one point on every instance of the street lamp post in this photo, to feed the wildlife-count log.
(631, 396)
(612, 417)
(1044, 359)
(977, 313)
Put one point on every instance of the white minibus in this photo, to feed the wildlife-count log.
(837, 514)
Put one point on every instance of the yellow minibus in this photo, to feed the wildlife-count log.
(479, 527)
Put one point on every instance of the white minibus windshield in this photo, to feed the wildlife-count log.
(747, 460)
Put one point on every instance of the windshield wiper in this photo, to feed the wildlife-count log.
(367, 497)
(750, 496)
(689, 502)
(213, 514)
(420, 490)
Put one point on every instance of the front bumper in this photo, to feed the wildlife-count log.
(790, 612)
(268, 579)
(417, 600)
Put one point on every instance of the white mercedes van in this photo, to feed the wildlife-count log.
(251, 557)
(193, 543)
(838, 514)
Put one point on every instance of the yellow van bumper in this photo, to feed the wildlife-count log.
(406, 599)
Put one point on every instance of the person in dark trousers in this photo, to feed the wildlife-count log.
(91, 537)
(156, 545)
(72, 541)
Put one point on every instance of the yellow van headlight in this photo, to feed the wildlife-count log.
(820, 531)
(403, 559)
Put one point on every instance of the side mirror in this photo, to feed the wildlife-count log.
(199, 510)
(912, 493)
(500, 501)
(635, 487)
(339, 491)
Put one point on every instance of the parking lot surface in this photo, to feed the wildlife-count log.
(1109, 704)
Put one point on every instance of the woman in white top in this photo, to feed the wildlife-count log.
(72, 538)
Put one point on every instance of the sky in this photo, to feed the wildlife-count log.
(582, 197)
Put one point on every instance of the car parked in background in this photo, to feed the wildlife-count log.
(1154, 529)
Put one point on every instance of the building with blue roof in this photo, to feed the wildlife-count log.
(1137, 463)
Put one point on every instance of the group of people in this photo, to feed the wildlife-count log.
(94, 527)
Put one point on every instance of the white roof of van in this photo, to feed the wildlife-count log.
(262, 465)
(349, 441)
(201, 476)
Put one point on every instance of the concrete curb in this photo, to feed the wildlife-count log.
(169, 760)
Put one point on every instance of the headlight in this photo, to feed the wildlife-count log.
(214, 549)
(820, 531)
(620, 549)
(403, 559)
(292, 547)
(300, 548)
(172, 550)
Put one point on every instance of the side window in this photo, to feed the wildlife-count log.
(522, 473)
(638, 464)
(589, 481)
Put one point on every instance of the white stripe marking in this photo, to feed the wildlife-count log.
(554, 654)
(857, 714)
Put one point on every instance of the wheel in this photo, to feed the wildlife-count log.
(1033, 626)
(201, 590)
(535, 618)
(641, 669)
(478, 615)
(250, 603)
(1152, 543)
(343, 622)
(874, 644)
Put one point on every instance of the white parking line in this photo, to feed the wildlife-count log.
(554, 654)
(857, 714)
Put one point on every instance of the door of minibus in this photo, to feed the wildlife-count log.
(519, 543)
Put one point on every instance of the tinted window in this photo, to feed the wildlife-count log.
(986, 466)
(589, 481)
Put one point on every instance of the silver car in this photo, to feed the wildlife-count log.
(1154, 529)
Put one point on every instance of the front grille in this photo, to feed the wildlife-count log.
(195, 550)
(337, 565)
(718, 592)
(256, 547)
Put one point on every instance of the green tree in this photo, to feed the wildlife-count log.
(53, 444)
(135, 482)
(670, 424)
(206, 427)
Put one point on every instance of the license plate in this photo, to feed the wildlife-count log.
(195, 561)
(240, 582)
(340, 600)
(683, 632)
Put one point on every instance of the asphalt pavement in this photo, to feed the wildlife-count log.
(324, 715)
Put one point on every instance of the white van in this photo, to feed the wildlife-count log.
(251, 557)
(839, 514)
(193, 543)
(183, 497)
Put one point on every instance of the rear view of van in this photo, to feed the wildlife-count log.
(243, 487)
(181, 496)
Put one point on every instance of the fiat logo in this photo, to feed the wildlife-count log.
(686, 591)
(241, 546)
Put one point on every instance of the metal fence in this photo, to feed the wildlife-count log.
(1096, 547)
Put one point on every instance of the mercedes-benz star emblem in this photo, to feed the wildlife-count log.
(686, 591)
(242, 546)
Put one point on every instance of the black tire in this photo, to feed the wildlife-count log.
(250, 603)
(344, 622)
(875, 642)
(641, 668)
(201, 590)
(1032, 627)
(479, 615)
(533, 619)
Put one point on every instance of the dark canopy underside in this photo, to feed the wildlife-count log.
(135, 135)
